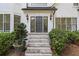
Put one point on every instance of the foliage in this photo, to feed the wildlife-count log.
(58, 40)
(21, 33)
(73, 36)
(6, 41)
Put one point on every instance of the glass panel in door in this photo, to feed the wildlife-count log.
(38, 23)
(33, 25)
(45, 23)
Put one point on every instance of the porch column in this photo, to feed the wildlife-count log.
(78, 20)
(11, 22)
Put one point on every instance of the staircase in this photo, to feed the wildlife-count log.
(38, 45)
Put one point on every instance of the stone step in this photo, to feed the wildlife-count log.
(35, 37)
(44, 39)
(37, 54)
(43, 51)
(38, 36)
(41, 48)
(38, 45)
(38, 41)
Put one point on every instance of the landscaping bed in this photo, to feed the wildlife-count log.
(14, 52)
(71, 50)
(61, 41)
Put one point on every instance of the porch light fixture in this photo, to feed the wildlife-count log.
(53, 11)
(27, 17)
(50, 16)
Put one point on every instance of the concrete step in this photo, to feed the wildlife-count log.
(38, 48)
(38, 45)
(37, 54)
(38, 40)
(40, 36)
(36, 37)
(43, 51)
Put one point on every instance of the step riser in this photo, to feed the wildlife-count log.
(48, 52)
(38, 41)
(38, 38)
(37, 45)
(30, 54)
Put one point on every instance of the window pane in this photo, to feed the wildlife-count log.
(33, 24)
(6, 22)
(57, 23)
(69, 24)
(1, 22)
(74, 24)
(63, 24)
(38, 4)
(16, 20)
(45, 18)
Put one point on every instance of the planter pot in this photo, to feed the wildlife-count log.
(77, 43)
(17, 47)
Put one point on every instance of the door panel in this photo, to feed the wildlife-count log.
(45, 19)
(33, 24)
(38, 24)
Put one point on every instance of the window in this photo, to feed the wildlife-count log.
(66, 24)
(75, 4)
(1, 22)
(4, 22)
(16, 20)
(38, 4)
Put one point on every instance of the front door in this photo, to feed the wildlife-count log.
(39, 24)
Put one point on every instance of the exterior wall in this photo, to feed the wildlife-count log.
(67, 10)
(12, 9)
(64, 10)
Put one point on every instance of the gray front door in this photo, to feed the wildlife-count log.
(38, 24)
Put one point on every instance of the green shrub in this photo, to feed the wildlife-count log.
(21, 34)
(58, 40)
(6, 41)
(73, 36)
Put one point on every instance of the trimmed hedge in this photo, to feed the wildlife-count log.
(59, 38)
(6, 41)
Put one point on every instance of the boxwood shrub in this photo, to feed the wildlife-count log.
(58, 40)
(6, 41)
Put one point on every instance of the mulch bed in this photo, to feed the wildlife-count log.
(14, 52)
(71, 50)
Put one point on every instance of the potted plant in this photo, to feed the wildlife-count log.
(20, 36)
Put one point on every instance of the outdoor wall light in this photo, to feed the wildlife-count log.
(54, 10)
(27, 17)
(50, 16)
